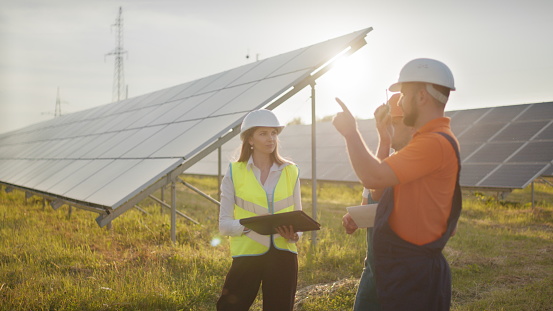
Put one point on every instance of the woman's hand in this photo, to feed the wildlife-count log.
(287, 232)
(349, 224)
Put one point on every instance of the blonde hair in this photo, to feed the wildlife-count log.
(246, 150)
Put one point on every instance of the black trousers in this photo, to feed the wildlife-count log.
(277, 273)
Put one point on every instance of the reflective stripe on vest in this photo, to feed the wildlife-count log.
(251, 200)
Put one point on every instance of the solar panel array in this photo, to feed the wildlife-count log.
(506, 147)
(100, 158)
(501, 147)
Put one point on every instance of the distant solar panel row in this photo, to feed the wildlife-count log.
(501, 147)
(506, 147)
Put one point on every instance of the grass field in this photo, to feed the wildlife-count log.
(501, 257)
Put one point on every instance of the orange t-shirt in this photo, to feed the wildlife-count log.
(427, 170)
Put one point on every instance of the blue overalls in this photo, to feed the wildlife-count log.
(408, 276)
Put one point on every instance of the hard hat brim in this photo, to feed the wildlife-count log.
(278, 128)
(396, 87)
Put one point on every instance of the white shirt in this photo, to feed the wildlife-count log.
(232, 227)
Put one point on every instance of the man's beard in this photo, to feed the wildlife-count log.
(410, 118)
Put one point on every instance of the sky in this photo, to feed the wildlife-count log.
(500, 51)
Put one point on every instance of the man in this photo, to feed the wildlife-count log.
(391, 133)
(419, 211)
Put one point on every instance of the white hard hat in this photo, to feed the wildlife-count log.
(261, 117)
(427, 71)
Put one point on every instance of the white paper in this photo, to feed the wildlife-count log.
(363, 215)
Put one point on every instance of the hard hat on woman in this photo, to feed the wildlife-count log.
(261, 117)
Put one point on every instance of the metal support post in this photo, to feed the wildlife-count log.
(313, 163)
(162, 195)
(219, 169)
(174, 212)
(533, 195)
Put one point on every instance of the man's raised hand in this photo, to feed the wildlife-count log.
(344, 121)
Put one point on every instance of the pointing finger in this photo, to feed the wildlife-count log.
(341, 103)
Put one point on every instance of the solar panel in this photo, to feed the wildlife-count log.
(111, 155)
(508, 146)
(468, 148)
(495, 152)
(539, 111)
(520, 131)
(512, 176)
(463, 119)
(132, 181)
(547, 132)
(538, 151)
(481, 132)
(503, 114)
(473, 173)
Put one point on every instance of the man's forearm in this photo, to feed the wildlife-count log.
(382, 153)
(368, 169)
(362, 160)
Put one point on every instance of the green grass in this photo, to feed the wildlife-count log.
(501, 257)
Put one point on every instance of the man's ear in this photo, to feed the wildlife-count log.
(423, 96)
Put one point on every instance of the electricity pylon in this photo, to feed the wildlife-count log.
(119, 72)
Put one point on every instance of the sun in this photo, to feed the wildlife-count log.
(349, 79)
(346, 74)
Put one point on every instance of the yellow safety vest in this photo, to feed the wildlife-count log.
(251, 200)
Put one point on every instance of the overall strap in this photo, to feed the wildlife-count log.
(455, 147)
(457, 203)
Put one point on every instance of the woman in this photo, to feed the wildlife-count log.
(260, 182)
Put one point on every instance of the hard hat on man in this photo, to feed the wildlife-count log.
(261, 117)
(425, 70)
